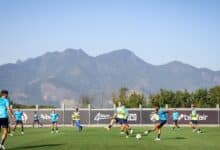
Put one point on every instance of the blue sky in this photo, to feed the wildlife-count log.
(158, 31)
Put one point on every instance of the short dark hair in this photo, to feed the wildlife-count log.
(4, 92)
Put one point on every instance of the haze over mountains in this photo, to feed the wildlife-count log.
(57, 76)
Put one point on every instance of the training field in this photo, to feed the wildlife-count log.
(101, 139)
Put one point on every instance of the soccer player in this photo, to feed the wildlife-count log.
(9, 126)
(194, 120)
(18, 117)
(175, 116)
(36, 120)
(76, 119)
(122, 116)
(160, 123)
(114, 119)
(5, 113)
(54, 121)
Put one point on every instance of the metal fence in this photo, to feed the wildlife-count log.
(137, 116)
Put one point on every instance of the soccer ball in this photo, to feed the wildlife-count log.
(138, 136)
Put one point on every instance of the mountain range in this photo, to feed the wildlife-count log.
(68, 75)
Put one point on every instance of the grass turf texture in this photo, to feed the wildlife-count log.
(101, 139)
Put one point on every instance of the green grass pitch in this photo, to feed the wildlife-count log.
(101, 139)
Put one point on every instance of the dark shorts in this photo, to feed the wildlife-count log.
(54, 122)
(4, 123)
(162, 123)
(36, 121)
(19, 122)
(194, 122)
(175, 121)
(121, 121)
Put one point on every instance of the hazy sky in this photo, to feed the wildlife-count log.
(157, 31)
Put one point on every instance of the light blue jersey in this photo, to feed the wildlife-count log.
(162, 115)
(4, 104)
(54, 117)
(122, 112)
(36, 117)
(126, 113)
(18, 115)
(175, 115)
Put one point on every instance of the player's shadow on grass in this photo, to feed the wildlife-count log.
(176, 138)
(35, 146)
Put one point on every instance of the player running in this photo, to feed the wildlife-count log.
(18, 116)
(76, 119)
(54, 121)
(115, 119)
(121, 118)
(5, 113)
(194, 120)
(160, 122)
(175, 116)
(36, 120)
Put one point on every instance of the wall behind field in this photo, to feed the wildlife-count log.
(137, 116)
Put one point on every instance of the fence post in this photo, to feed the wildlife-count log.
(167, 107)
(140, 109)
(37, 107)
(63, 109)
(114, 107)
(89, 109)
(217, 107)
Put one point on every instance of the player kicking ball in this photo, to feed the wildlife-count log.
(161, 119)
(194, 120)
(5, 113)
(36, 120)
(116, 120)
(54, 122)
(76, 119)
(122, 115)
(175, 116)
(18, 116)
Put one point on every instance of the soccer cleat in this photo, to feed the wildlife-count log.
(157, 139)
(107, 128)
(52, 132)
(199, 131)
(131, 131)
(2, 147)
(81, 128)
(22, 133)
(57, 131)
(127, 136)
(146, 132)
(11, 134)
(122, 132)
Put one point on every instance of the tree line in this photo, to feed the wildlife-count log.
(202, 97)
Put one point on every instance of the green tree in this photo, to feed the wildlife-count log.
(200, 98)
(130, 100)
(135, 99)
(214, 96)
